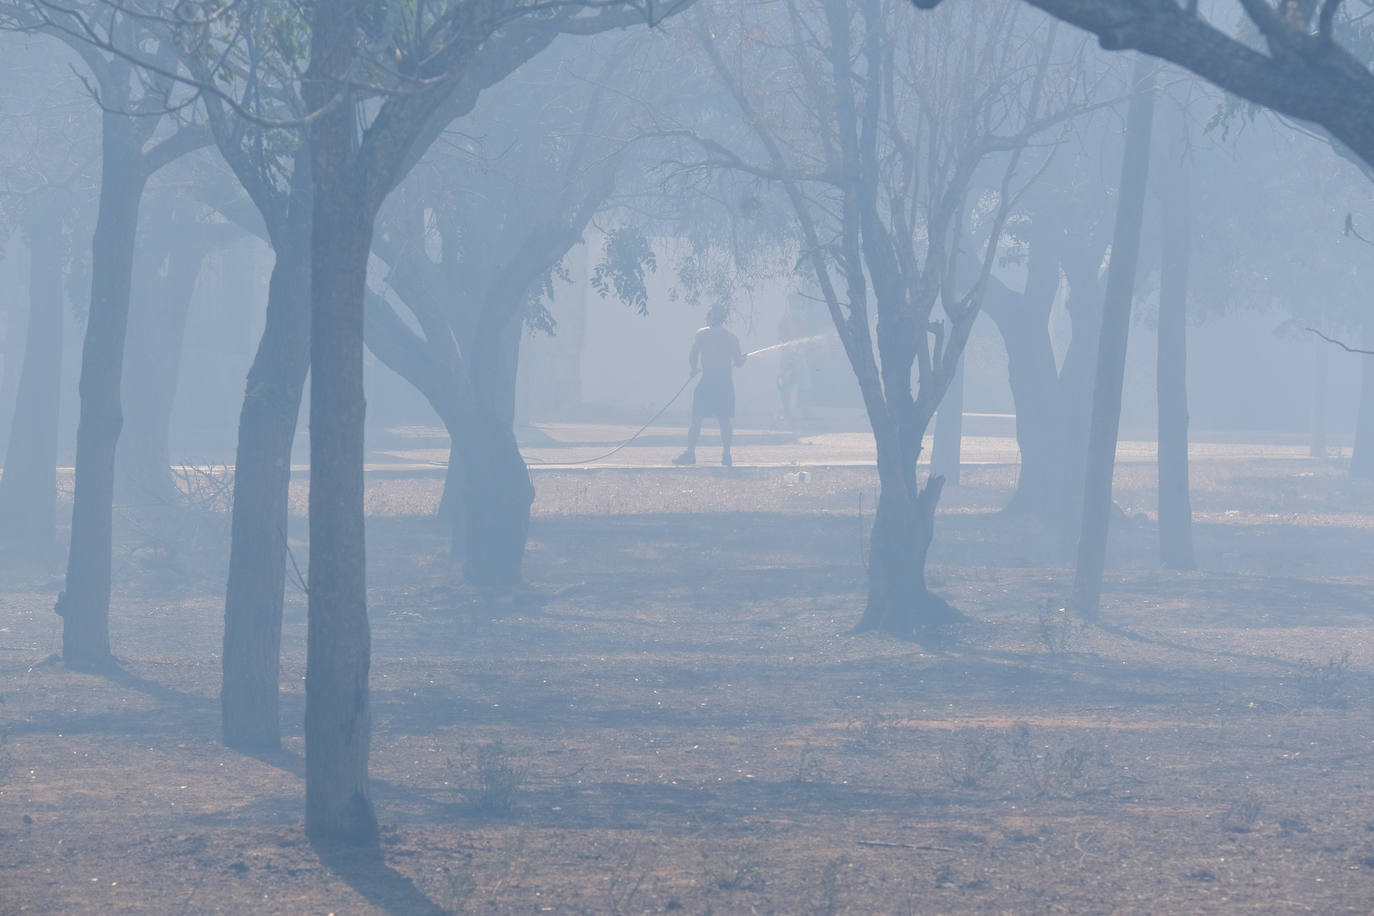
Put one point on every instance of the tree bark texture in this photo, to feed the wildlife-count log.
(1111, 354)
(338, 711)
(338, 658)
(1171, 367)
(28, 489)
(262, 478)
(1304, 76)
(85, 605)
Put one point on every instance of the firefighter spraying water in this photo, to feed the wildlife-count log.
(715, 354)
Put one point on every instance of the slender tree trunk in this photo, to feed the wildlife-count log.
(1171, 375)
(16, 334)
(262, 478)
(157, 333)
(85, 605)
(1317, 445)
(1111, 354)
(338, 713)
(1362, 456)
(28, 489)
(949, 430)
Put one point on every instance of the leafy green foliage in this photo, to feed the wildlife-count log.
(624, 260)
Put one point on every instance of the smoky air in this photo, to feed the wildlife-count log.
(607, 456)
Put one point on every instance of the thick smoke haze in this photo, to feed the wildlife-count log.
(839, 456)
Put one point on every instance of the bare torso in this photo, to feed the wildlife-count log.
(716, 350)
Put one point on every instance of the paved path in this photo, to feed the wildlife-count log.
(566, 446)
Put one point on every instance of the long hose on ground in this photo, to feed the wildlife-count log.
(639, 432)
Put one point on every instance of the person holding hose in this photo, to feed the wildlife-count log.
(715, 354)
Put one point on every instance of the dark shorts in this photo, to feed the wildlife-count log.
(715, 396)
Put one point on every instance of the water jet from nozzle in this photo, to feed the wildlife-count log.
(788, 344)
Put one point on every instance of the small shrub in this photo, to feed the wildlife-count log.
(1065, 773)
(496, 780)
(868, 733)
(1243, 814)
(809, 767)
(827, 901)
(1325, 685)
(973, 764)
(739, 874)
(1058, 628)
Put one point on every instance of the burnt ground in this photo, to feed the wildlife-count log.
(672, 717)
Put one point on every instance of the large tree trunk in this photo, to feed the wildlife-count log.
(1362, 456)
(1035, 391)
(262, 480)
(497, 487)
(1171, 372)
(85, 605)
(498, 495)
(949, 430)
(1051, 403)
(28, 489)
(157, 332)
(453, 510)
(1111, 355)
(338, 713)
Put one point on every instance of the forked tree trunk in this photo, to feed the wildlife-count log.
(949, 430)
(338, 711)
(1111, 354)
(1050, 420)
(251, 660)
(28, 489)
(437, 374)
(899, 603)
(157, 333)
(1171, 374)
(85, 605)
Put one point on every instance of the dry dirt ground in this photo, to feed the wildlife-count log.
(673, 718)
